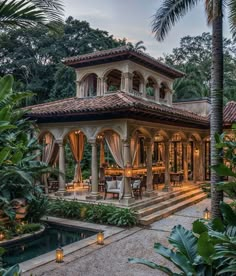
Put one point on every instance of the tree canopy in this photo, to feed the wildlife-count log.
(34, 55)
(193, 57)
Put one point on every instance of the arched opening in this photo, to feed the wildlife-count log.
(150, 87)
(176, 153)
(49, 155)
(164, 90)
(137, 82)
(77, 158)
(90, 85)
(158, 150)
(113, 80)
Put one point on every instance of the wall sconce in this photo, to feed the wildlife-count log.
(128, 170)
(100, 137)
(2, 236)
(206, 214)
(100, 238)
(77, 132)
(59, 255)
(196, 150)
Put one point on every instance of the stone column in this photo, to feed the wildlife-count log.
(127, 199)
(148, 144)
(94, 168)
(78, 89)
(185, 155)
(99, 84)
(104, 86)
(62, 170)
(128, 81)
(168, 187)
(156, 93)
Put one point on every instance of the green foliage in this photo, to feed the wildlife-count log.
(18, 168)
(29, 228)
(11, 271)
(209, 249)
(193, 57)
(37, 207)
(97, 213)
(26, 13)
(34, 56)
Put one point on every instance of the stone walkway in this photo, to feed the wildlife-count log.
(111, 259)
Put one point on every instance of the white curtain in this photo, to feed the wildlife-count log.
(49, 155)
(76, 142)
(115, 146)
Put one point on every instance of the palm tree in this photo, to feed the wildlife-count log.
(138, 46)
(166, 17)
(24, 13)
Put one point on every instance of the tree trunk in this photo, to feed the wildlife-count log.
(216, 101)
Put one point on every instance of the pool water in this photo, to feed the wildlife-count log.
(53, 237)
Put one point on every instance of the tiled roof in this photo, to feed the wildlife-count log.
(114, 103)
(123, 51)
(230, 113)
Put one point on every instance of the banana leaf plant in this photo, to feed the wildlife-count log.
(209, 249)
(19, 168)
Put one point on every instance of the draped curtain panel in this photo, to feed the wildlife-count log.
(115, 146)
(76, 142)
(134, 148)
(49, 155)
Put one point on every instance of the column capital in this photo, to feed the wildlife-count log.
(92, 141)
(60, 142)
(128, 75)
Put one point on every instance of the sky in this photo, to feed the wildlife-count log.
(132, 19)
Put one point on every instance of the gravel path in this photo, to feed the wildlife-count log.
(111, 260)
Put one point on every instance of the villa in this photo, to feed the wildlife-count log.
(124, 100)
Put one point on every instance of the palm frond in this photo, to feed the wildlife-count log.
(23, 13)
(232, 16)
(168, 14)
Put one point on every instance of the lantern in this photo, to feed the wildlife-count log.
(128, 170)
(1, 236)
(197, 150)
(59, 255)
(206, 214)
(100, 238)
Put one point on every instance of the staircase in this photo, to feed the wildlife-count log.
(165, 205)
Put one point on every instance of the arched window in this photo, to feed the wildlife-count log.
(90, 85)
(163, 90)
(150, 87)
(113, 80)
(137, 82)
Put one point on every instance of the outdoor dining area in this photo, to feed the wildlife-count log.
(152, 166)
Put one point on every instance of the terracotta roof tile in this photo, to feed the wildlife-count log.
(113, 102)
(123, 50)
(230, 113)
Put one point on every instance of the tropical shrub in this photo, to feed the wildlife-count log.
(37, 207)
(19, 169)
(96, 213)
(209, 249)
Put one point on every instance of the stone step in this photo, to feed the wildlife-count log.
(172, 209)
(167, 203)
(161, 198)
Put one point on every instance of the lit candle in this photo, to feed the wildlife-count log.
(59, 255)
(100, 238)
(207, 214)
